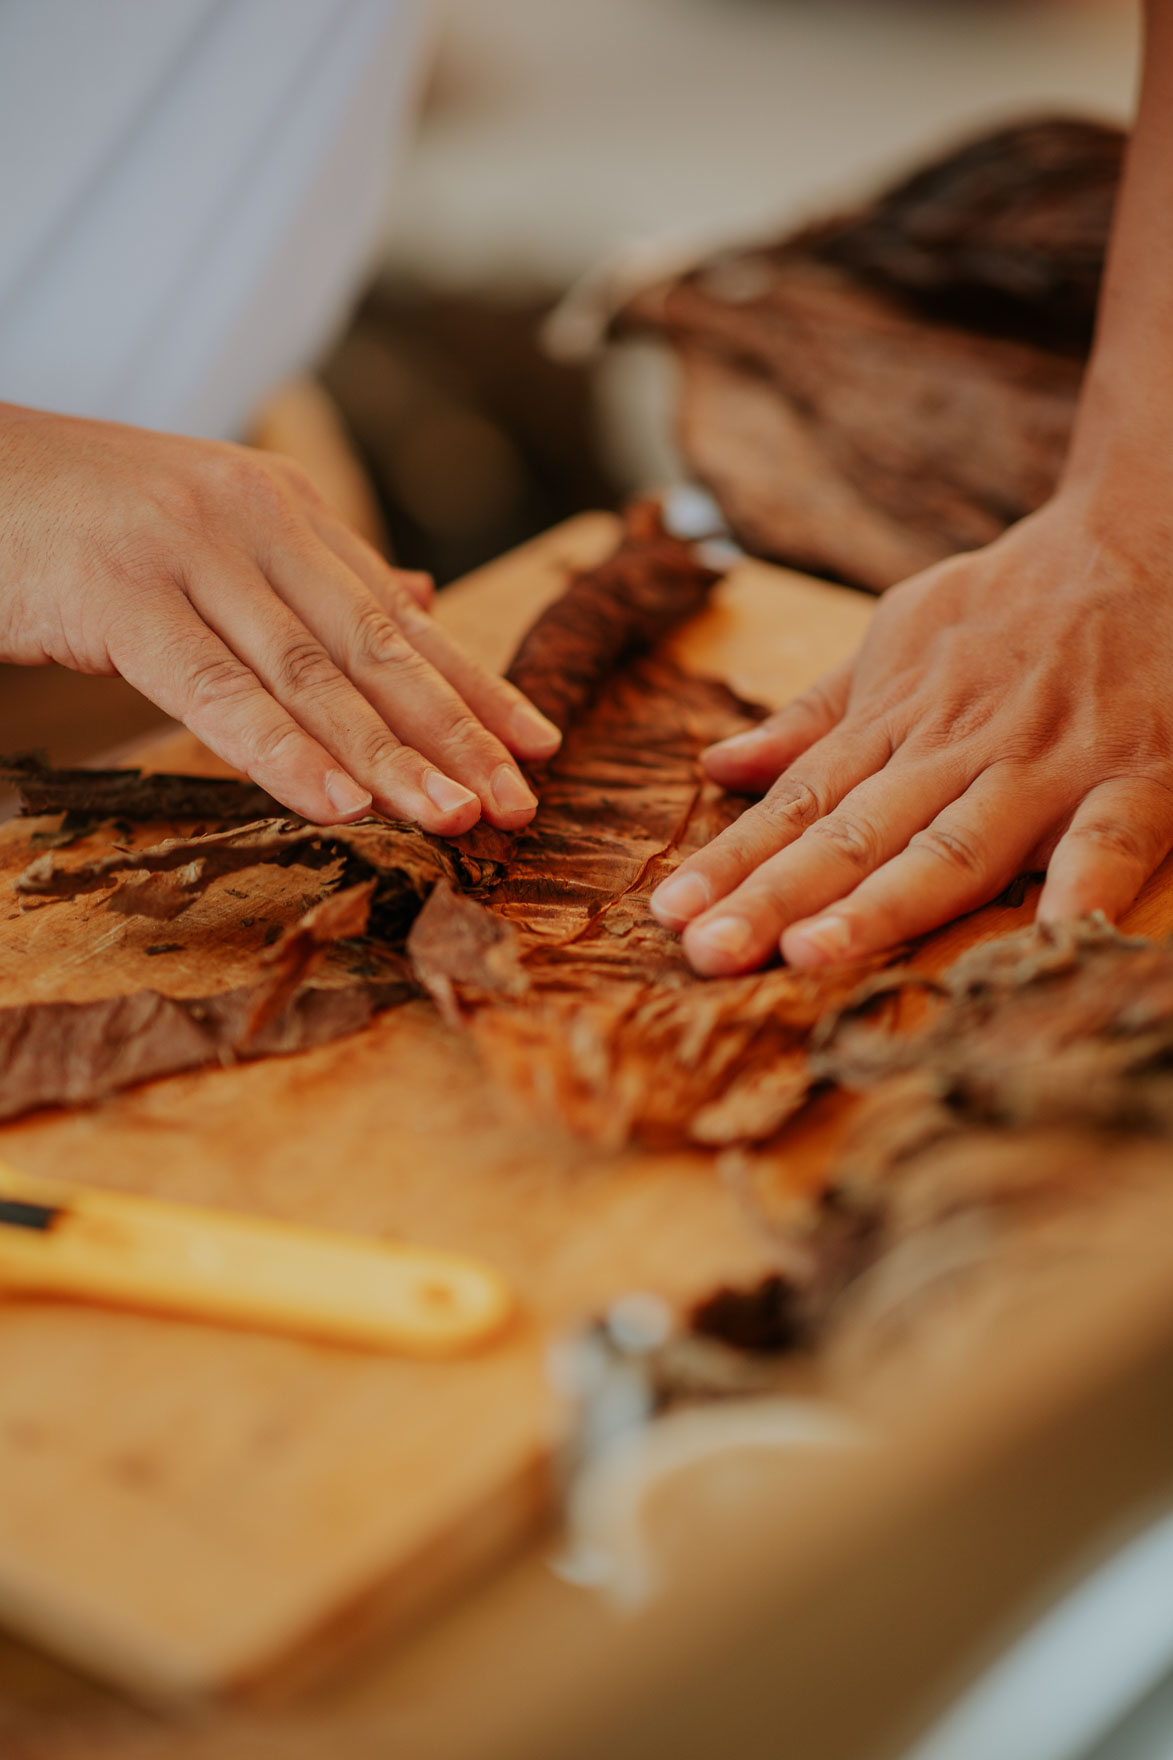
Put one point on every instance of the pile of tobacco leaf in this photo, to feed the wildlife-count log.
(1035, 1080)
(887, 388)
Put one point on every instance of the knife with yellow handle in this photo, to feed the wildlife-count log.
(85, 1244)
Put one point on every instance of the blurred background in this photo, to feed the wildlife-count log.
(553, 134)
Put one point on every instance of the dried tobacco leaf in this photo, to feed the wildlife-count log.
(764, 1317)
(404, 862)
(74, 1053)
(339, 916)
(926, 438)
(1007, 234)
(1068, 1024)
(1030, 1086)
(580, 1003)
(89, 796)
(651, 583)
(884, 389)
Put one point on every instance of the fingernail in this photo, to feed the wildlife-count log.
(344, 794)
(530, 729)
(725, 935)
(681, 898)
(741, 744)
(829, 938)
(511, 793)
(446, 794)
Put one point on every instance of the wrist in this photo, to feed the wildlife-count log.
(1124, 425)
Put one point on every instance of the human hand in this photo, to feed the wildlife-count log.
(219, 583)
(1009, 710)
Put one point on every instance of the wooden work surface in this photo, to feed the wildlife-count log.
(183, 1509)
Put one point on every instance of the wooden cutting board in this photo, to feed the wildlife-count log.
(184, 1509)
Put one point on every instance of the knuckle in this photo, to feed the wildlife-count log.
(212, 683)
(273, 742)
(953, 849)
(960, 724)
(466, 738)
(252, 483)
(304, 667)
(141, 559)
(294, 476)
(377, 748)
(790, 804)
(1112, 837)
(236, 470)
(394, 600)
(379, 642)
(856, 841)
(178, 502)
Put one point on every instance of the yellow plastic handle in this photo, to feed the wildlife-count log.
(125, 1251)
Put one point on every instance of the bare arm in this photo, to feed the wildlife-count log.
(1009, 709)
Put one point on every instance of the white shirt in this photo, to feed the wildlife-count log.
(190, 193)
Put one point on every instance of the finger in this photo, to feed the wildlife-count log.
(415, 701)
(972, 849)
(242, 608)
(750, 762)
(329, 524)
(354, 550)
(1118, 836)
(421, 586)
(493, 700)
(172, 657)
(811, 788)
(833, 855)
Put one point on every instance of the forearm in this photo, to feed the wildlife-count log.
(1123, 443)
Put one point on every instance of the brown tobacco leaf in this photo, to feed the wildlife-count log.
(404, 861)
(1066, 1024)
(769, 468)
(703, 1064)
(1038, 1079)
(1056, 1026)
(132, 795)
(651, 583)
(455, 940)
(189, 865)
(73, 1053)
(883, 390)
(898, 424)
(1008, 233)
(791, 1310)
(339, 916)
(580, 1003)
